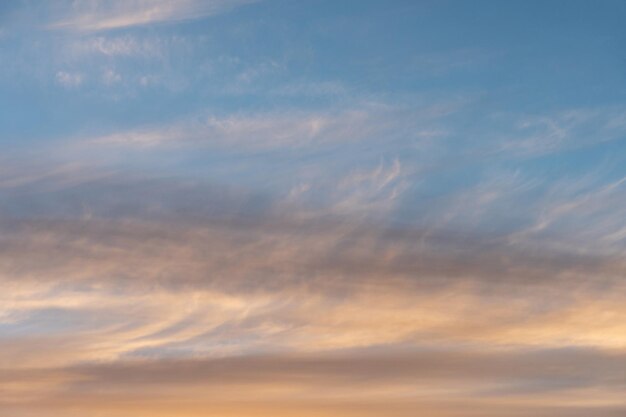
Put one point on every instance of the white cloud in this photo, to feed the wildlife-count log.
(69, 79)
(119, 46)
(147, 80)
(370, 191)
(312, 89)
(110, 77)
(360, 194)
(93, 15)
(279, 129)
(578, 211)
(565, 130)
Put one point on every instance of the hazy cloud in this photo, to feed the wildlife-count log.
(95, 15)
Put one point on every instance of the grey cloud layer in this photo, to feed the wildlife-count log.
(259, 272)
(141, 294)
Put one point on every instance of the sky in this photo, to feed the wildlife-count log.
(240, 208)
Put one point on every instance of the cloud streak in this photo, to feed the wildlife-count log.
(279, 130)
(439, 382)
(94, 15)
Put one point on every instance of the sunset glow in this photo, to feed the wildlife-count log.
(278, 208)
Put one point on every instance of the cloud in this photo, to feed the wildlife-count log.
(125, 288)
(110, 76)
(443, 382)
(566, 130)
(69, 79)
(94, 15)
(249, 228)
(278, 130)
(360, 193)
(120, 46)
(577, 211)
(311, 89)
(106, 267)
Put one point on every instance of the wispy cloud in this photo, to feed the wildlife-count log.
(200, 277)
(95, 15)
(118, 46)
(566, 130)
(69, 79)
(549, 382)
(364, 193)
(141, 285)
(219, 208)
(280, 130)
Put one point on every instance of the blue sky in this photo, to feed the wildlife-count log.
(261, 185)
(511, 88)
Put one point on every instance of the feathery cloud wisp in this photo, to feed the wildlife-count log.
(90, 15)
